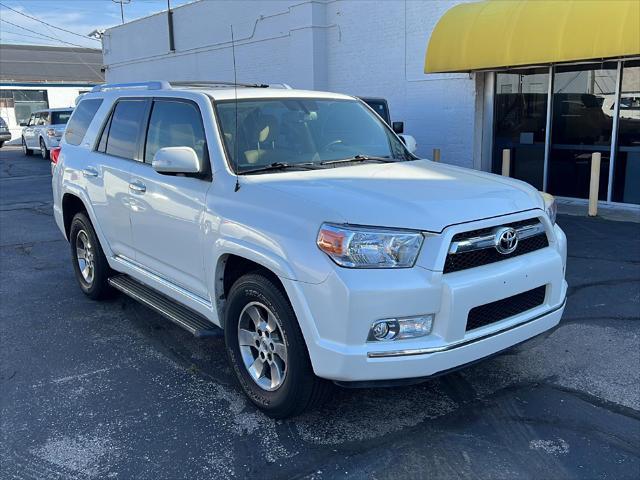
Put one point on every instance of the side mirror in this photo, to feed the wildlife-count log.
(23, 124)
(409, 142)
(398, 127)
(176, 160)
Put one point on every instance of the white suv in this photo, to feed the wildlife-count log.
(44, 130)
(298, 223)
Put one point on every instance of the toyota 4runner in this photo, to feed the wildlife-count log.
(297, 225)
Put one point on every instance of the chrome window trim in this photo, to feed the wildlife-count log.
(460, 343)
(488, 241)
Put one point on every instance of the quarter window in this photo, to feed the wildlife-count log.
(80, 120)
(174, 124)
(125, 128)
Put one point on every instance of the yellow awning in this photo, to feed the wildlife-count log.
(507, 33)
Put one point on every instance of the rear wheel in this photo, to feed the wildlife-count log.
(26, 151)
(267, 351)
(1, 144)
(89, 263)
(43, 150)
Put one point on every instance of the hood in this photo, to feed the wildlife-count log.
(420, 194)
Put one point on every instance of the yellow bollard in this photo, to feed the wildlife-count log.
(594, 183)
(506, 162)
(436, 155)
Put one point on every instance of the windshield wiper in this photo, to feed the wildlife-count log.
(280, 166)
(358, 158)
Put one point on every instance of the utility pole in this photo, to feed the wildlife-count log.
(122, 3)
(172, 45)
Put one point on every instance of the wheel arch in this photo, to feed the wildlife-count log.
(229, 268)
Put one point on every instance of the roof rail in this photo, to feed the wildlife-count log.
(155, 85)
(215, 83)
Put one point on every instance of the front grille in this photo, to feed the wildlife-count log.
(505, 308)
(476, 258)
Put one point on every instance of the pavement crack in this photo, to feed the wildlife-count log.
(603, 283)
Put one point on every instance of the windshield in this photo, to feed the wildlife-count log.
(60, 118)
(304, 131)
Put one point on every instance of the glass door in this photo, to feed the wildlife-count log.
(582, 123)
(626, 173)
(520, 123)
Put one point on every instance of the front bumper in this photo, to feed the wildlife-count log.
(336, 315)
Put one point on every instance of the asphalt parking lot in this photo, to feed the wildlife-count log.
(111, 390)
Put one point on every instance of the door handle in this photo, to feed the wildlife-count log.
(137, 187)
(90, 172)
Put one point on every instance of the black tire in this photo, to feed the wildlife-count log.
(43, 150)
(301, 389)
(97, 286)
(26, 151)
(1, 144)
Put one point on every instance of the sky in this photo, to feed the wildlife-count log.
(77, 16)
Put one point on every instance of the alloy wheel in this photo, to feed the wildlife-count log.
(85, 255)
(262, 346)
(43, 149)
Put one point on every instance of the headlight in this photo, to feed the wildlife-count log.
(550, 206)
(369, 247)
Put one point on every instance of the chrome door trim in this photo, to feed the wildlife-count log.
(205, 302)
(460, 343)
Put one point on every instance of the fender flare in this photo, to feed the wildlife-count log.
(82, 195)
(255, 253)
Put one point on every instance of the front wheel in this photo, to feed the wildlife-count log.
(267, 351)
(26, 151)
(43, 150)
(89, 262)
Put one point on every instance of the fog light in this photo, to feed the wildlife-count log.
(399, 328)
(380, 330)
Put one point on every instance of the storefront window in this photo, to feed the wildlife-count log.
(582, 123)
(626, 176)
(23, 102)
(520, 123)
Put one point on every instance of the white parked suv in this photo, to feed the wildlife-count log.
(299, 224)
(44, 130)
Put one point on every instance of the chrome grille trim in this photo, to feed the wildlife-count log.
(489, 241)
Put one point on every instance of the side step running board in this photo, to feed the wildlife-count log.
(182, 316)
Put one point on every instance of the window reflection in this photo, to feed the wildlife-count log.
(626, 177)
(520, 123)
(582, 123)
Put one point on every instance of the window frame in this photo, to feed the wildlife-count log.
(206, 173)
(107, 125)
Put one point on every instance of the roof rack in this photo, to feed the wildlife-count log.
(157, 85)
(216, 83)
(164, 85)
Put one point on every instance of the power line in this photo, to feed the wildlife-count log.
(45, 23)
(41, 34)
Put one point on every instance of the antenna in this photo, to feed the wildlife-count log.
(236, 160)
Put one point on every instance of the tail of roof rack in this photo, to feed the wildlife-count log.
(164, 85)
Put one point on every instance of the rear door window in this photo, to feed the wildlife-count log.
(126, 126)
(174, 123)
(80, 120)
(60, 118)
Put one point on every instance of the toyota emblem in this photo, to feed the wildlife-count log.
(506, 240)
